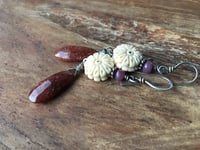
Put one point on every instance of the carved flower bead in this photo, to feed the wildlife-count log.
(98, 66)
(126, 57)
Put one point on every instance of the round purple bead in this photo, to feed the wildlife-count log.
(147, 67)
(119, 75)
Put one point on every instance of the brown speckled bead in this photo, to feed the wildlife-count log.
(52, 86)
(73, 53)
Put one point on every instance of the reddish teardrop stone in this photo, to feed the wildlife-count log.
(73, 53)
(52, 86)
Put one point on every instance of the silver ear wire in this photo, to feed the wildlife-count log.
(134, 80)
(169, 69)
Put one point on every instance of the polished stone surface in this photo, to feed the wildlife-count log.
(74, 53)
(52, 86)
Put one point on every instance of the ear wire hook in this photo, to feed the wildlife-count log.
(134, 80)
(169, 69)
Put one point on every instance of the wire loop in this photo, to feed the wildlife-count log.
(134, 80)
(169, 69)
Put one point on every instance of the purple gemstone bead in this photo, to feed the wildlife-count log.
(119, 75)
(147, 67)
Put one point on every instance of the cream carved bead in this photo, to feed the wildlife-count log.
(126, 57)
(98, 66)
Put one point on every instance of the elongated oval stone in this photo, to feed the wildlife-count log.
(52, 86)
(73, 53)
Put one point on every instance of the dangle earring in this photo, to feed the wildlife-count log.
(123, 63)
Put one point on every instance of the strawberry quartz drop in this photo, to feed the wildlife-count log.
(52, 86)
(73, 53)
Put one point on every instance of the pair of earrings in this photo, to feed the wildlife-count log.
(121, 63)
